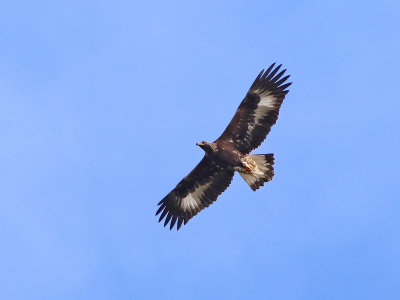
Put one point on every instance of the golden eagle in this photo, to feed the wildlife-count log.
(248, 128)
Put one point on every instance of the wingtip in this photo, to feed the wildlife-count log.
(282, 80)
(160, 209)
(274, 71)
(279, 75)
(162, 215)
(269, 70)
(180, 220)
(169, 215)
(286, 85)
(173, 221)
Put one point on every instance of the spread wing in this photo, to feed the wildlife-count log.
(258, 111)
(194, 192)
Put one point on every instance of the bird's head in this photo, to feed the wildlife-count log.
(206, 146)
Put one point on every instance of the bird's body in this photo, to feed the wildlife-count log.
(223, 153)
(217, 152)
(250, 125)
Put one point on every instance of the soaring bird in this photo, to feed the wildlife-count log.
(253, 120)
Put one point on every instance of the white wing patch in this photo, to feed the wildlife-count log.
(267, 100)
(193, 200)
(266, 104)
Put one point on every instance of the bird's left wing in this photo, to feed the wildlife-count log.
(258, 111)
(194, 192)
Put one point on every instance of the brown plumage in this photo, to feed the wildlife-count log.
(253, 120)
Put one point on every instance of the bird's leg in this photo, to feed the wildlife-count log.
(248, 164)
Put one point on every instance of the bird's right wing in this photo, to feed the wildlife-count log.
(194, 192)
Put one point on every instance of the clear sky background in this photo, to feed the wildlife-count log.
(102, 104)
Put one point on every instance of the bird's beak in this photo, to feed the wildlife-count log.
(199, 144)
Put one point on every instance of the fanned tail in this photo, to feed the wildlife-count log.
(263, 171)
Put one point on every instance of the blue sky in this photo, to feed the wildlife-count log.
(102, 104)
